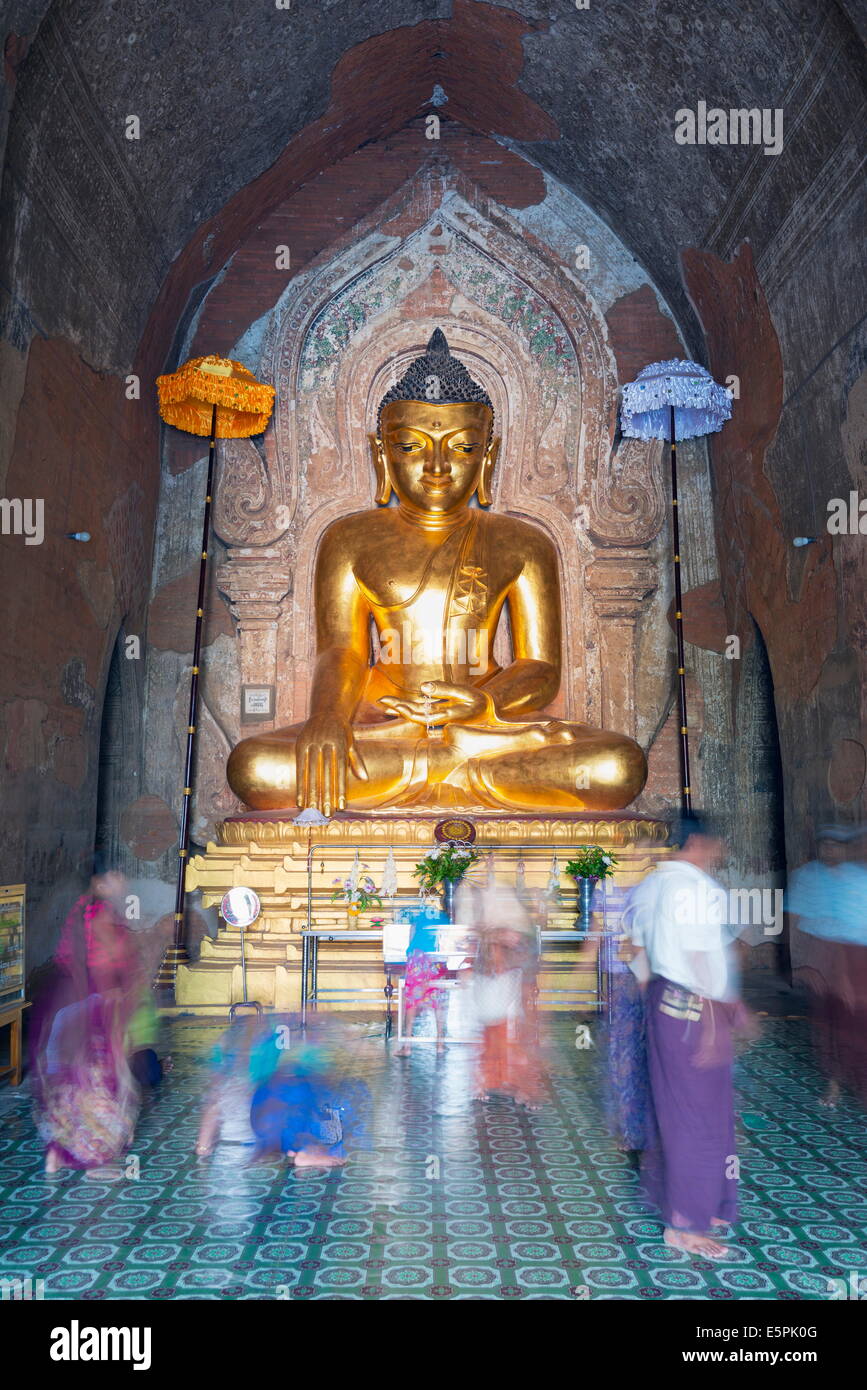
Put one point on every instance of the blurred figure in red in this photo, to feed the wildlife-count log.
(504, 993)
(86, 1098)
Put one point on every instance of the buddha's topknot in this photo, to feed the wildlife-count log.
(437, 376)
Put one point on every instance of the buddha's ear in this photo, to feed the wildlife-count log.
(380, 468)
(483, 489)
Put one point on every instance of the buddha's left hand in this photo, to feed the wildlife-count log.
(446, 704)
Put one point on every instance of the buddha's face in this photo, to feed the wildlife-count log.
(436, 455)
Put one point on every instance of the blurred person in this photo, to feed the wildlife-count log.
(424, 976)
(679, 925)
(854, 925)
(826, 902)
(144, 1034)
(312, 1103)
(86, 1099)
(143, 1040)
(291, 1114)
(291, 1095)
(245, 1056)
(503, 984)
(628, 1103)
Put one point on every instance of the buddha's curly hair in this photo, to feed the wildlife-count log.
(437, 376)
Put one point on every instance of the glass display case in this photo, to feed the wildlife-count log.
(12, 905)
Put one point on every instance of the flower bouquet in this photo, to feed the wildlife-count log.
(445, 864)
(589, 865)
(443, 868)
(358, 891)
(591, 862)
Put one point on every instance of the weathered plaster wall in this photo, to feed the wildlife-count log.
(79, 448)
(796, 441)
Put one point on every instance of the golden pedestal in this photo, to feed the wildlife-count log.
(279, 859)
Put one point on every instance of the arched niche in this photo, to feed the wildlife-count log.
(538, 343)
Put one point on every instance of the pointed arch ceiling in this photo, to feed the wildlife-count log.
(240, 101)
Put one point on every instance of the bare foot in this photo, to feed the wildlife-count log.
(403, 1051)
(441, 1049)
(694, 1244)
(53, 1161)
(260, 1155)
(317, 1158)
(829, 1100)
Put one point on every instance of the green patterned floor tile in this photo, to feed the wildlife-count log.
(452, 1200)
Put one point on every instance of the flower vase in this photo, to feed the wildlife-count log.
(352, 916)
(586, 889)
(449, 887)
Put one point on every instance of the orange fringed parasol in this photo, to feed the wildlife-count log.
(187, 398)
(215, 396)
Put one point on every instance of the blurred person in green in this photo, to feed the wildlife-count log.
(142, 1044)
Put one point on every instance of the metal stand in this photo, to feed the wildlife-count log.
(388, 991)
(244, 1002)
(310, 990)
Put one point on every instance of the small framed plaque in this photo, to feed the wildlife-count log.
(257, 704)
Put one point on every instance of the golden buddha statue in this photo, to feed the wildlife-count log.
(434, 721)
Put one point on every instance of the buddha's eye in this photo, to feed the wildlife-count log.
(409, 448)
(464, 448)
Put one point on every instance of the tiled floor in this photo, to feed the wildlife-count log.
(452, 1200)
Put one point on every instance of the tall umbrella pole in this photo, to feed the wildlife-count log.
(685, 790)
(177, 953)
(704, 406)
(222, 395)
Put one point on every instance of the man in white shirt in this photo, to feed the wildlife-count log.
(677, 918)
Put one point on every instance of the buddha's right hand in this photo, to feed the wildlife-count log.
(324, 749)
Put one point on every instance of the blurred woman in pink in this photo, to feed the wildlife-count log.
(86, 1098)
